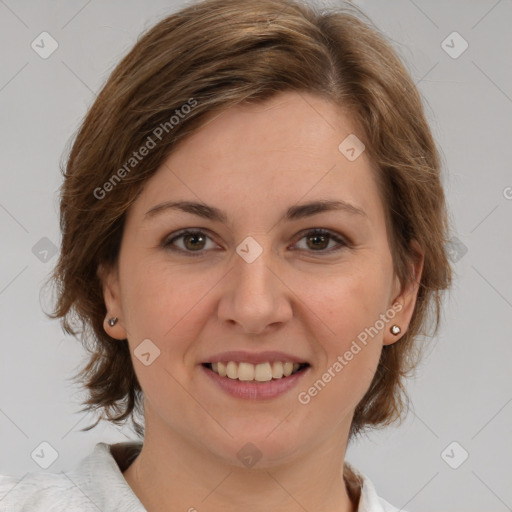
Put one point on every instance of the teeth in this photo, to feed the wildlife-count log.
(246, 371)
(277, 370)
(262, 372)
(232, 370)
(221, 369)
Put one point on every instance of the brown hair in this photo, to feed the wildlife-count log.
(213, 55)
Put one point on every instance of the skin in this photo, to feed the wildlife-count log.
(254, 162)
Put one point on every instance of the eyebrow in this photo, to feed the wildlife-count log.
(295, 212)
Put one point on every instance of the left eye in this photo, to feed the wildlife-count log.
(321, 238)
(318, 240)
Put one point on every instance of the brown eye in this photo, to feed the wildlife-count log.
(318, 240)
(194, 241)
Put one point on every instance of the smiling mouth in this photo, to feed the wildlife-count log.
(262, 372)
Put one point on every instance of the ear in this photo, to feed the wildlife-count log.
(405, 296)
(109, 278)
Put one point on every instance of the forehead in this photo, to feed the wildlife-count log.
(257, 156)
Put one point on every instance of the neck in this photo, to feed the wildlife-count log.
(176, 475)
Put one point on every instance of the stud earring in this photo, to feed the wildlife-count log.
(395, 329)
(112, 321)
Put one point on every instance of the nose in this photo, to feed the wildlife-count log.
(255, 296)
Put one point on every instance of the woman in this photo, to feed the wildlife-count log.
(253, 231)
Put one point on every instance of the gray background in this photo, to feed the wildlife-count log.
(463, 389)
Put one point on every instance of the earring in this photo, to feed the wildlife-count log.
(395, 329)
(112, 321)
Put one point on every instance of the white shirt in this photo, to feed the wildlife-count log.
(97, 483)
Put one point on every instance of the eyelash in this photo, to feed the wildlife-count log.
(312, 232)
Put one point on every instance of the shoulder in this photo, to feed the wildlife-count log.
(96, 482)
(362, 488)
(36, 492)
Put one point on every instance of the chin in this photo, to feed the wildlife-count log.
(259, 449)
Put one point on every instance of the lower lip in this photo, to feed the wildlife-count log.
(256, 390)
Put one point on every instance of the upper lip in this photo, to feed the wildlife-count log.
(240, 356)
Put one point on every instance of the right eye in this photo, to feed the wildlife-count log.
(192, 242)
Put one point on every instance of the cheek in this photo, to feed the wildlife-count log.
(346, 308)
(162, 302)
(346, 301)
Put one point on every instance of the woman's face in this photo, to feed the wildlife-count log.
(258, 286)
